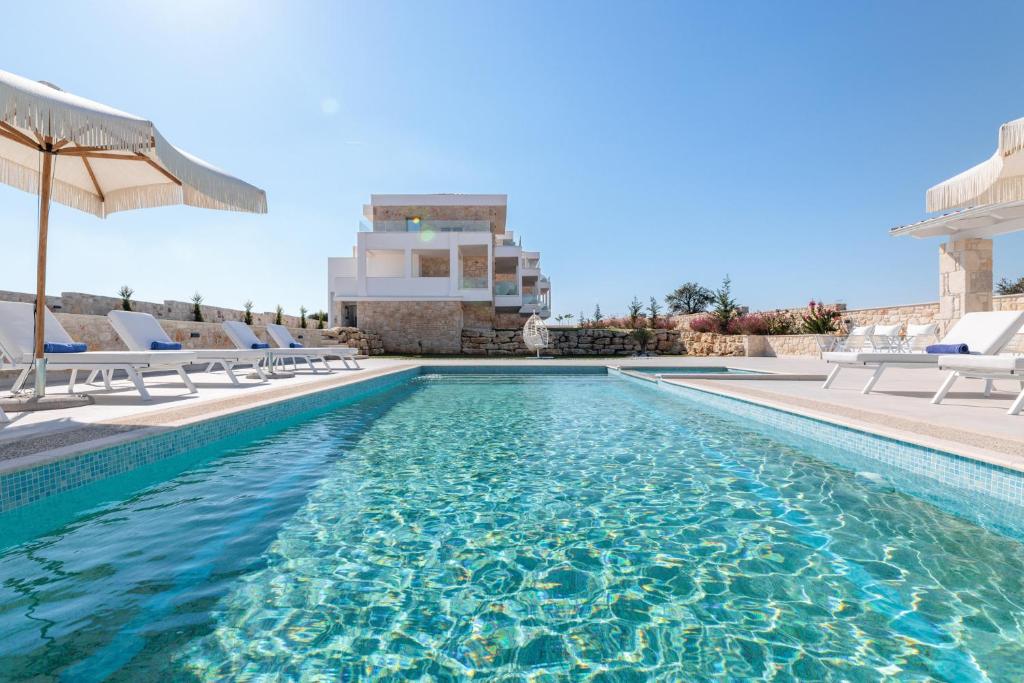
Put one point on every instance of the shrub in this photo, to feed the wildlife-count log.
(302, 317)
(653, 311)
(635, 312)
(642, 335)
(1007, 286)
(752, 323)
(725, 305)
(321, 318)
(126, 297)
(705, 323)
(278, 315)
(689, 297)
(247, 315)
(820, 319)
(197, 311)
(780, 322)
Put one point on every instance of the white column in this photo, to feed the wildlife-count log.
(360, 266)
(408, 263)
(454, 272)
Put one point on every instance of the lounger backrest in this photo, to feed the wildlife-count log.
(17, 320)
(240, 334)
(888, 330)
(137, 330)
(862, 331)
(922, 330)
(985, 332)
(281, 336)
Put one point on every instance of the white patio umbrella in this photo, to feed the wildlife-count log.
(997, 180)
(99, 160)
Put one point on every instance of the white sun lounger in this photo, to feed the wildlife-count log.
(987, 368)
(283, 338)
(16, 344)
(985, 333)
(243, 337)
(139, 330)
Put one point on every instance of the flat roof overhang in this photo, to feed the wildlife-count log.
(976, 222)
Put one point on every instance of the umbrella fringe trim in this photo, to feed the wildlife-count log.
(66, 122)
(207, 186)
(27, 179)
(972, 187)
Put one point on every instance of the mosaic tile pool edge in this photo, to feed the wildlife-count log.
(27, 486)
(950, 469)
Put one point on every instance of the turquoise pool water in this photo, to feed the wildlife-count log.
(514, 528)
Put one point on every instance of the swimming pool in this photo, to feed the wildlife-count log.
(509, 526)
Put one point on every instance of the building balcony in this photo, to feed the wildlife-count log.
(506, 288)
(425, 225)
(473, 282)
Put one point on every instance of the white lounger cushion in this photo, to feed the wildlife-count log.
(888, 330)
(151, 358)
(868, 357)
(283, 338)
(140, 330)
(968, 362)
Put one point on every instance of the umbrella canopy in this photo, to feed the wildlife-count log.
(998, 179)
(98, 159)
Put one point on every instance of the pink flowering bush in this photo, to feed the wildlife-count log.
(820, 319)
(750, 323)
(705, 323)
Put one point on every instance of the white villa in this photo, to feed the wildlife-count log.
(425, 266)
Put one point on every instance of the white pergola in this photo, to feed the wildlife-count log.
(982, 222)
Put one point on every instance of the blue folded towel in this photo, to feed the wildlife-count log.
(165, 346)
(261, 345)
(62, 347)
(295, 345)
(947, 349)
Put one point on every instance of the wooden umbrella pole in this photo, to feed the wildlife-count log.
(44, 220)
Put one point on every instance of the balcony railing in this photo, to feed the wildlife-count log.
(474, 282)
(425, 224)
(506, 288)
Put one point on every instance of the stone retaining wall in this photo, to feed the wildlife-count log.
(414, 326)
(95, 304)
(567, 342)
(368, 343)
(710, 344)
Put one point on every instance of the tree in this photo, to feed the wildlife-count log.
(1008, 286)
(197, 311)
(321, 316)
(642, 335)
(634, 311)
(247, 315)
(725, 305)
(126, 297)
(689, 297)
(653, 311)
(302, 317)
(597, 315)
(582, 319)
(278, 315)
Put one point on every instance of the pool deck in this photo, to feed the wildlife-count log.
(967, 423)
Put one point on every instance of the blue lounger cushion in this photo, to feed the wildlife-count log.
(261, 345)
(947, 349)
(64, 347)
(295, 345)
(165, 346)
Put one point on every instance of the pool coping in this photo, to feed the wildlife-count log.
(958, 442)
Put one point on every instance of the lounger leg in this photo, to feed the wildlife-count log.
(20, 382)
(831, 377)
(136, 378)
(188, 382)
(71, 381)
(107, 376)
(210, 366)
(874, 380)
(988, 388)
(258, 367)
(92, 377)
(309, 362)
(3, 417)
(1018, 403)
(944, 389)
(323, 359)
(231, 374)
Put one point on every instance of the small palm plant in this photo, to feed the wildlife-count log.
(247, 314)
(197, 311)
(321, 317)
(126, 297)
(642, 335)
(302, 317)
(635, 312)
(278, 315)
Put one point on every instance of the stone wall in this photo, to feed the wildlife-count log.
(414, 326)
(710, 344)
(567, 342)
(368, 343)
(96, 304)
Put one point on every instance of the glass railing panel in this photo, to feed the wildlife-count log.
(506, 288)
(474, 282)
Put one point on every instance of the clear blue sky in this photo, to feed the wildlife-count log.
(641, 144)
